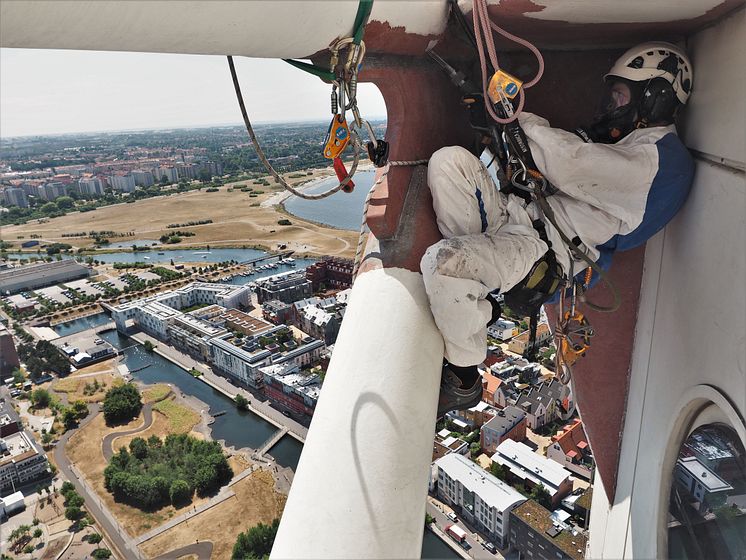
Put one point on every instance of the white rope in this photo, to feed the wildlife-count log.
(364, 225)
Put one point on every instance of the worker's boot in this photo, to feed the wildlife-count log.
(454, 395)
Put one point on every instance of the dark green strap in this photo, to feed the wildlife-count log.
(364, 8)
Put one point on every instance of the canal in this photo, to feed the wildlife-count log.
(238, 428)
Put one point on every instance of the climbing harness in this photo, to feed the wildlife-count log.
(340, 135)
(519, 175)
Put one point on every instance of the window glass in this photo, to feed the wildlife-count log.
(707, 504)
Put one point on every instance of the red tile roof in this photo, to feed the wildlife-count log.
(572, 439)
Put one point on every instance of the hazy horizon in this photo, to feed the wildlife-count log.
(56, 92)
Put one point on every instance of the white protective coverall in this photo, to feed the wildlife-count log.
(489, 243)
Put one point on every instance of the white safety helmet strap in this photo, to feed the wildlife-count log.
(656, 60)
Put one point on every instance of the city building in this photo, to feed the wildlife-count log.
(15, 196)
(33, 276)
(532, 469)
(444, 443)
(545, 403)
(51, 191)
(277, 312)
(20, 304)
(502, 329)
(124, 183)
(154, 313)
(192, 335)
(483, 500)
(21, 461)
(509, 423)
(296, 391)
(519, 343)
(705, 487)
(320, 318)
(244, 323)
(8, 355)
(11, 504)
(330, 273)
(91, 186)
(287, 287)
(167, 171)
(143, 178)
(243, 358)
(571, 450)
(534, 533)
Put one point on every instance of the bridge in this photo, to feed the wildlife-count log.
(281, 255)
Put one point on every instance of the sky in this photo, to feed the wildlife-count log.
(56, 91)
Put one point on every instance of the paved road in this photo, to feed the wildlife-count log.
(477, 550)
(203, 551)
(106, 445)
(93, 504)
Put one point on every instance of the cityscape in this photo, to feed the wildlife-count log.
(88, 312)
(204, 358)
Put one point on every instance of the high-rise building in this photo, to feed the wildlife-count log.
(14, 196)
(91, 186)
(8, 355)
(143, 178)
(124, 183)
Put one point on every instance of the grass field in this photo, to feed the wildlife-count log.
(84, 450)
(155, 393)
(75, 387)
(236, 221)
(180, 418)
(255, 501)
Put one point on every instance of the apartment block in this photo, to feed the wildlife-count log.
(21, 461)
(533, 470)
(479, 497)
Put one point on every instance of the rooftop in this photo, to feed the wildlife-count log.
(506, 419)
(526, 464)
(540, 519)
(707, 478)
(493, 491)
(16, 447)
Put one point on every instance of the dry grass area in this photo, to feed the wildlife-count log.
(173, 418)
(180, 418)
(54, 548)
(101, 367)
(155, 393)
(236, 221)
(255, 501)
(86, 388)
(84, 449)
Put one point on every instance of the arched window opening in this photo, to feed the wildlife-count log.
(707, 504)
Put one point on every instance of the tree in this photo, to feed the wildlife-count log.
(74, 500)
(101, 553)
(256, 542)
(540, 494)
(148, 346)
(429, 519)
(122, 403)
(94, 538)
(38, 533)
(241, 402)
(41, 398)
(65, 202)
(69, 419)
(73, 513)
(66, 488)
(498, 470)
(180, 492)
(139, 448)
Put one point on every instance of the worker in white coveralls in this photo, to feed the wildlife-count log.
(619, 182)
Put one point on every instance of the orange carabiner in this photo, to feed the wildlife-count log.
(337, 137)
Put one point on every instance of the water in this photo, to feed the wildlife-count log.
(287, 452)
(237, 427)
(434, 547)
(340, 210)
(77, 325)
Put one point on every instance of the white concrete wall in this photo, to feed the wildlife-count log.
(270, 29)
(689, 343)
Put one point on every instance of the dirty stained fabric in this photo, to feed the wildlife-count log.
(489, 243)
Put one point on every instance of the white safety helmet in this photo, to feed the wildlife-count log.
(656, 59)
